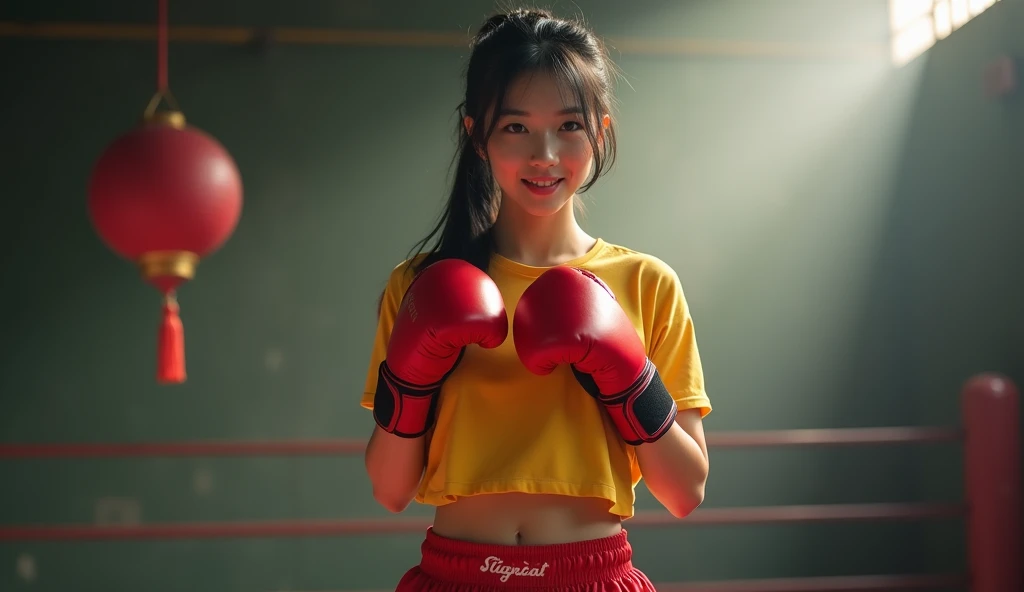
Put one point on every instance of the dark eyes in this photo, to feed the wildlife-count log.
(568, 126)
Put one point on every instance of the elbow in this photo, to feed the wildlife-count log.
(687, 495)
(680, 487)
(392, 502)
(684, 504)
(393, 490)
(393, 495)
(394, 467)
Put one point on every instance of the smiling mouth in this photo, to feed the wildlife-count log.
(542, 182)
(543, 187)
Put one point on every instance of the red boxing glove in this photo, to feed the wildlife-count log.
(449, 305)
(569, 316)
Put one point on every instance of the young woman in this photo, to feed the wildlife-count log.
(526, 375)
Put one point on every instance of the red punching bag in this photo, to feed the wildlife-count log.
(164, 196)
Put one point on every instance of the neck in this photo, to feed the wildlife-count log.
(540, 241)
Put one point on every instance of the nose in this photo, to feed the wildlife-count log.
(544, 150)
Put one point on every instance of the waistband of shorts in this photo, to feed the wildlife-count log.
(526, 566)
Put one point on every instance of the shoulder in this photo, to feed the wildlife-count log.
(648, 271)
(402, 274)
(399, 279)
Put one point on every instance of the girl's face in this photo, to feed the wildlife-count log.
(539, 152)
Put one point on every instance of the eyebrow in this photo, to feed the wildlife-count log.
(521, 113)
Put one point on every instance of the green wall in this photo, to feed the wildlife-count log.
(845, 233)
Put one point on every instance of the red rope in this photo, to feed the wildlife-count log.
(183, 449)
(312, 528)
(341, 447)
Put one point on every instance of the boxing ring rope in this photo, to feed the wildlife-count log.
(990, 436)
(343, 447)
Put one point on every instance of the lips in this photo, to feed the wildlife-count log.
(543, 181)
(543, 185)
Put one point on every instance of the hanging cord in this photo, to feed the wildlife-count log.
(163, 87)
(161, 47)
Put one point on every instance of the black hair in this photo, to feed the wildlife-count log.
(507, 46)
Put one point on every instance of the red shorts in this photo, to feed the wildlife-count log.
(602, 565)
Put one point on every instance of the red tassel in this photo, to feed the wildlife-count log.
(171, 352)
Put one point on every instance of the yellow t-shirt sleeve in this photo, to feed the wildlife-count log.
(673, 348)
(398, 283)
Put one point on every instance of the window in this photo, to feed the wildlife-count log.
(916, 25)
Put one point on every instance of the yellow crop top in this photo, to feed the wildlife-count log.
(500, 428)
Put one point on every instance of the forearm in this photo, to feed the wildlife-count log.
(395, 467)
(675, 468)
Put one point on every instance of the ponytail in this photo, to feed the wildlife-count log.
(464, 229)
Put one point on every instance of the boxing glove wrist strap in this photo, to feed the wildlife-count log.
(642, 413)
(403, 409)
